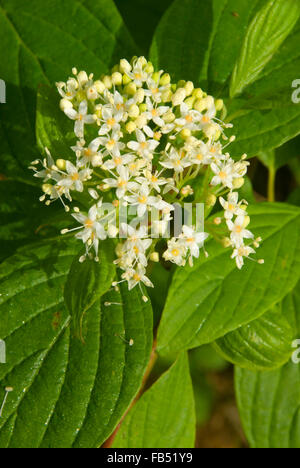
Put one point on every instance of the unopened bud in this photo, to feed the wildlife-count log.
(82, 78)
(130, 127)
(218, 221)
(125, 66)
(189, 87)
(179, 97)
(139, 96)
(149, 68)
(61, 164)
(238, 183)
(133, 111)
(219, 104)
(165, 79)
(65, 104)
(117, 78)
(198, 93)
(107, 82)
(211, 200)
(185, 133)
(154, 257)
(130, 89)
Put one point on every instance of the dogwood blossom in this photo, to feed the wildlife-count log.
(146, 144)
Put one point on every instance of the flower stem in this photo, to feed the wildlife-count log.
(271, 184)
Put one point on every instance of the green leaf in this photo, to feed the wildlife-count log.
(53, 130)
(23, 219)
(133, 13)
(87, 282)
(269, 402)
(181, 41)
(164, 417)
(217, 298)
(263, 344)
(41, 43)
(65, 393)
(267, 31)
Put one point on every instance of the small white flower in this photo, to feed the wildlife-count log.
(176, 161)
(238, 231)
(121, 182)
(89, 155)
(117, 161)
(240, 253)
(111, 120)
(155, 113)
(193, 240)
(74, 178)
(153, 180)
(224, 174)
(154, 91)
(142, 200)
(142, 146)
(188, 118)
(137, 276)
(176, 252)
(112, 143)
(232, 206)
(81, 117)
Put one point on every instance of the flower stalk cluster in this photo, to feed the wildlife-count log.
(145, 143)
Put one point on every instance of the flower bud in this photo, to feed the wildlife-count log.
(117, 78)
(165, 79)
(211, 200)
(100, 87)
(141, 121)
(189, 87)
(149, 68)
(125, 66)
(219, 104)
(139, 96)
(126, 80)
(107, 82)
(199, 105)
(226, 242)
(61, 164)
(154, 257)
(156, 77)
(82, 78)
(179, 97)
(238, 183)
(130, 127)
(166, 95)
(198, 93)
(130, 89)
(133, 111)
(186, 191)
(190, 102)
(185, 133)
(112, 231)
(143, 107)
(47, 188)
(169, 117)
(65, 104)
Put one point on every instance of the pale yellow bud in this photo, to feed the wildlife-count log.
(125, 66)
(47, 188)
(219, 104)
(218, 221)
(154, 257)
(139, 96)
(179, 97)
(130, 89)
(107, 82)
(185, 133)
(117, 78)
(238, 183)
(165, 79)
(133, 111)
(166, 95)
(143, 107)
(190, 102)
(149, 68)
(126, 80)
(211, 200)
(169, 117)
(156, 77)
(92, 93)
(130, 127)
(65, 104)
(82, 78)
(199, 105)
(198, 93)
(100, 87)
(112, 231)
(189, 87)
(61, 164)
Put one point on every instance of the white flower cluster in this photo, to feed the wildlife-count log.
(141, 143)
